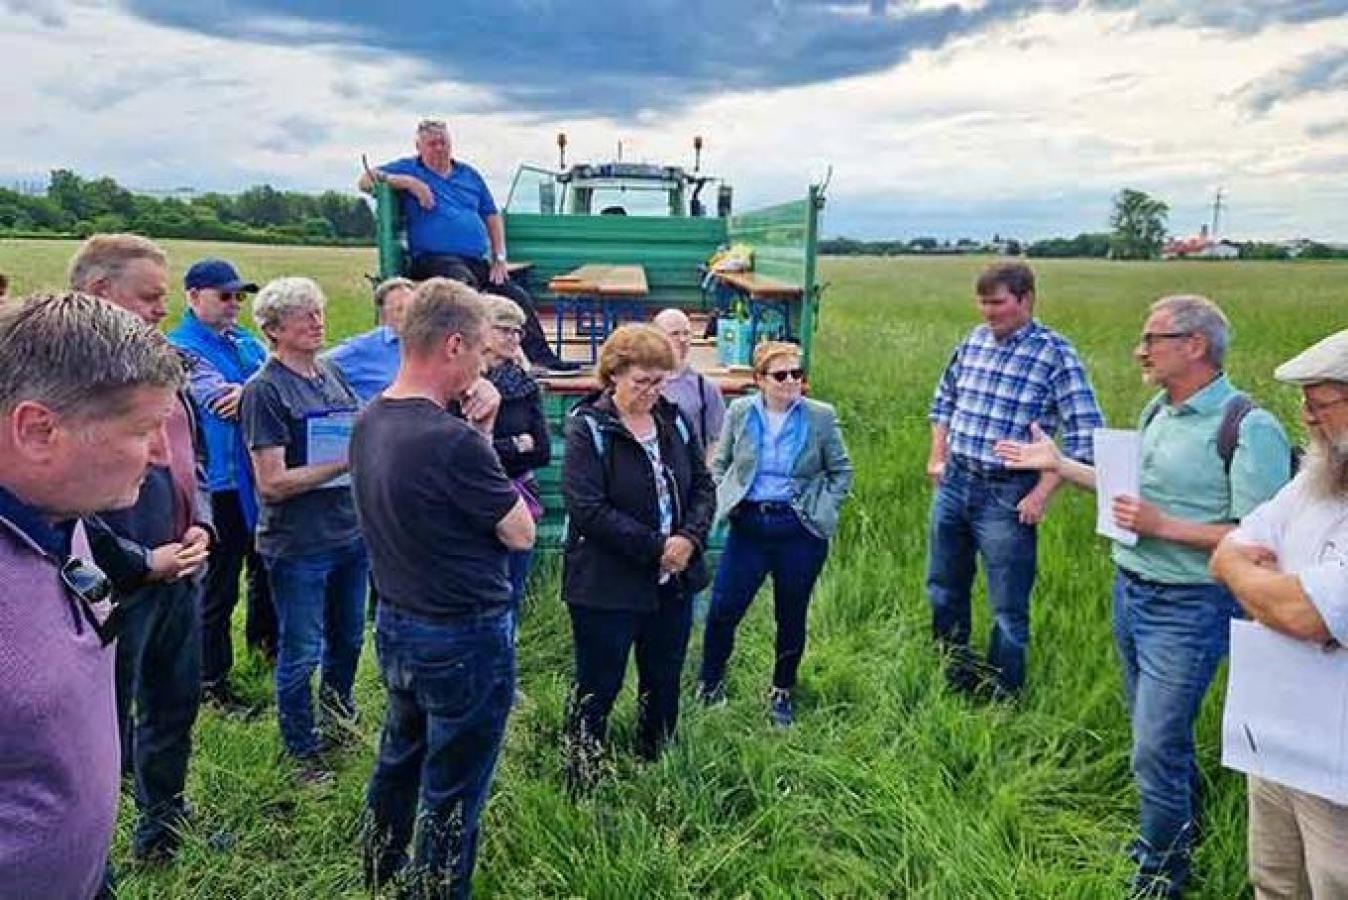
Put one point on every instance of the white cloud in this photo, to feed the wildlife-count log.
(1028, 128)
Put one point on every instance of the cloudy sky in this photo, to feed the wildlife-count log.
(944, 117)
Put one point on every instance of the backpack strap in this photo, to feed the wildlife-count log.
(1228, 432)
(702, 405)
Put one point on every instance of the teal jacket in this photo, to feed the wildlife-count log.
(822, 473)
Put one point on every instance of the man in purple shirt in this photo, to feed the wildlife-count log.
(85, 392)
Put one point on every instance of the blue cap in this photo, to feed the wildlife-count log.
(219, 275)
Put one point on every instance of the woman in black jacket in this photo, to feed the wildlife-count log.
(520, 435)
(640, 503)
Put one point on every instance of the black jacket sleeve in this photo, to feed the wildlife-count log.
(125, 562)
(535, 425)
(701, 506)
(592, 514)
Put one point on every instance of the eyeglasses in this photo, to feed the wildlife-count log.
(1151, 337)
(645, 385)
(510, 330)
(781, 376)
(91, 587)
(1315, 409)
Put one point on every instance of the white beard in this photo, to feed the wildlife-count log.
(1326, 468)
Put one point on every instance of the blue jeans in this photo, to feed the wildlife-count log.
(517, 567)
(320, 601)
(1170, 639)
(158, 680)
(450, 686)
(763, 541)
(975, 514)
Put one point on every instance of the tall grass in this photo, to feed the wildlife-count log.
(888, 786)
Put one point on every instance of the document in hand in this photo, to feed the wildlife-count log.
(329, 440)
(1286, 715)
(1118, 456)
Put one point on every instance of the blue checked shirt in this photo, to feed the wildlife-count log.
(993, 390)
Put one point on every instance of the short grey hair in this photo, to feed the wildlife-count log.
(388, 286)
(441, 307)
(282, 296)
(504, 311)
(79, 356)
(103, 257)
(1196, 314)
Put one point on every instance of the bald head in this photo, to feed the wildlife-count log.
(679, 330)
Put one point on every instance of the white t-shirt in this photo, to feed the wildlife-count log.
(1310, 536)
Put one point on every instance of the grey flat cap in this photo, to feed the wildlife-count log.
(1326, 361)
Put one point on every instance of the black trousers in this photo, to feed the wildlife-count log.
(604, 638)
(158, 692)
(229, 557)
(474, 273)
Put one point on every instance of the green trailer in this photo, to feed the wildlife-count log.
(623, 214)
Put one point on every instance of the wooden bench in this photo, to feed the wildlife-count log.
(600, 296)
(763, 294)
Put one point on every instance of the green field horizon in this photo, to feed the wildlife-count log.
(888, 786)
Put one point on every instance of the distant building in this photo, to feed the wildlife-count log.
(1200, 246)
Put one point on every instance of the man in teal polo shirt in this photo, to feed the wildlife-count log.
(1170, 617)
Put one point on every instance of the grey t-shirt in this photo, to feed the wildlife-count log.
(276, 407)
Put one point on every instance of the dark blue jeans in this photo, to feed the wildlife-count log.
(604, 638)
(320, 601)
(763, 540)
(158, 694)
(1170, 639)
(450, 686)
(973, 515)
(517, 564)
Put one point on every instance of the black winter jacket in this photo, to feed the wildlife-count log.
(613, 544)
(521, 412)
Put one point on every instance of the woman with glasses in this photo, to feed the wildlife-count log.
(295, 408)
(640, 503)
(782, 472)
(520, 435)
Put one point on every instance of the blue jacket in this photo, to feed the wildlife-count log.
(821, 473)
(221, 360)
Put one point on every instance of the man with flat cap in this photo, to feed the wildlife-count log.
(225, 355)
(1287, 564)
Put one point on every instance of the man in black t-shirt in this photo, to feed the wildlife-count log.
(439, 516)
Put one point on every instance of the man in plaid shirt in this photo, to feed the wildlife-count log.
(1009, 372)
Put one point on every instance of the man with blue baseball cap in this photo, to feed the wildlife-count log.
(225, 355)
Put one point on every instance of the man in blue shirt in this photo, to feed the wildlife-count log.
(454, 229)
(224, 356)
(1009, 372)
(370, 360)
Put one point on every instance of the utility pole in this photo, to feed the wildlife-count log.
(1216, 213)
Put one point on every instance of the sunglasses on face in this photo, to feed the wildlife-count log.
(90, 587)
(781, 376)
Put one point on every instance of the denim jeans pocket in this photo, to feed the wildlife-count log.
(446, 688)
(1006, 495)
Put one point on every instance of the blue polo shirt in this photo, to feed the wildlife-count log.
(1183, 474)
(457, 223)
(369, 361)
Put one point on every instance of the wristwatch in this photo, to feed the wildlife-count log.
(500, 256)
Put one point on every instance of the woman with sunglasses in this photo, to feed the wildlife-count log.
(640, 503)
(520, 435)
(782, 472)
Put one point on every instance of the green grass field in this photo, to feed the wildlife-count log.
(888, 787)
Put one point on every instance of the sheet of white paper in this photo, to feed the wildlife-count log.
(330, 441)
(1118, 454)
(1286, 715)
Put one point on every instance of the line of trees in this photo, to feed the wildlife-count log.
(77, 207)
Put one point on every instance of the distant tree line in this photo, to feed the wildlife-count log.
(78, 207)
